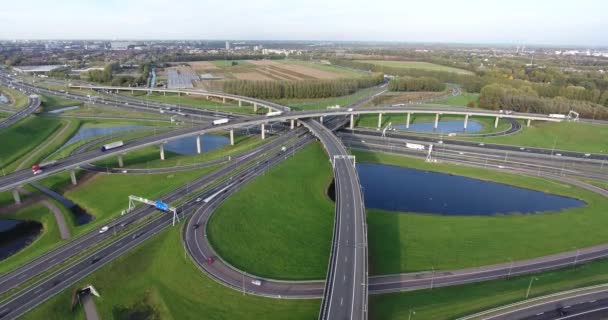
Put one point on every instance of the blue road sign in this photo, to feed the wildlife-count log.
(161, 205)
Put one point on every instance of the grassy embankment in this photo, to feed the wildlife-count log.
(47, 239)
(574, 136)
(24, 136)
(280, 225)
(371, 121)
(453, 302)
(157, 279)
(461, 100)
(17, 100)
(419, 241)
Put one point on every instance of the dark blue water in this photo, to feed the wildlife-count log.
(187, 146)
(409, 190)
(447, 126)
(86, 133)
(16, 235)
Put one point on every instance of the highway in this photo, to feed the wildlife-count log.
(124, 241)
(345, 293)
(33, 105)
(34, 267)
(582, 303)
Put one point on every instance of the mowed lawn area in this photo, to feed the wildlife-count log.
(280, 225)
(22, 137)
(415, 65)
(573, 136)
(461, 100)
(157, 281)
(426, 241)
(106, 195)
(398, 242)
(457, 301)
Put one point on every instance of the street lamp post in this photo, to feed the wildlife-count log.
(432, 277)
(410, 315)
(576, 257)
(530, 286)
(510, 268)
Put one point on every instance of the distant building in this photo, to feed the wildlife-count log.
(37, 69)
(120, 45)
(227, 45)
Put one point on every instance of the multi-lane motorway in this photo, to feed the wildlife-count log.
(344, 292)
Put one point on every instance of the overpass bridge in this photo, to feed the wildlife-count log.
(220, 95)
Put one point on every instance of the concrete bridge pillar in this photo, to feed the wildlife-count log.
(132, 91)
(352, 121)
(466, 121)
(263, 132)
(528, 122)
(255, 107)
(291, 124)
(16, 196)
(231, 137)
(321, 119)
(120, 162)
(73, 177)
(299, 123)
(240, 103)
(162, 151)
(179, 94)
(407, 121)
(379, 120)
(496, 123)
(224, 100)
(165, 93)
(436, 121)
(198, 144)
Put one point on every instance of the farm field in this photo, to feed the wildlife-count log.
(415, 65)
(278, 70)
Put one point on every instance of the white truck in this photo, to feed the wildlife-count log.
(220, 121)
(112, 145)
(274, 113)
(414, 146)
(557, 116)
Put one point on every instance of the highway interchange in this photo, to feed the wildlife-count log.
(346, 300)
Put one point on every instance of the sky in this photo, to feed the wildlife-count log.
(545, 22)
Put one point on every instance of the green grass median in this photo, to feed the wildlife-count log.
(280, 225)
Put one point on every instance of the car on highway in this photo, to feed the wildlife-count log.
(481, 144)
(210, 260)
(198, 199)
(195, 226)
(104, 229)
(558, 154)
(256, 282)
(587, 154)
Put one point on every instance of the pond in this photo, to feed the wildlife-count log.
(86, 133)
(409, 190)
(446, 126)
(187, 145)
(16, 235)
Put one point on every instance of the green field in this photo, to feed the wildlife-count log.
(106, 195)
(371, 121)
(415, 65)
(165, 284)
(18, 100)
(574, 136)
(27, 134)
(48, 238)
(50, 103)
(461, 100)
(418, 241)
(424, 241)
(453, 302)
(280, 225)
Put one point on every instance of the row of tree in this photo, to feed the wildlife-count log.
(416, 84)
(300, 89)
(182, 57)
(525, 99)
(107, 76)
